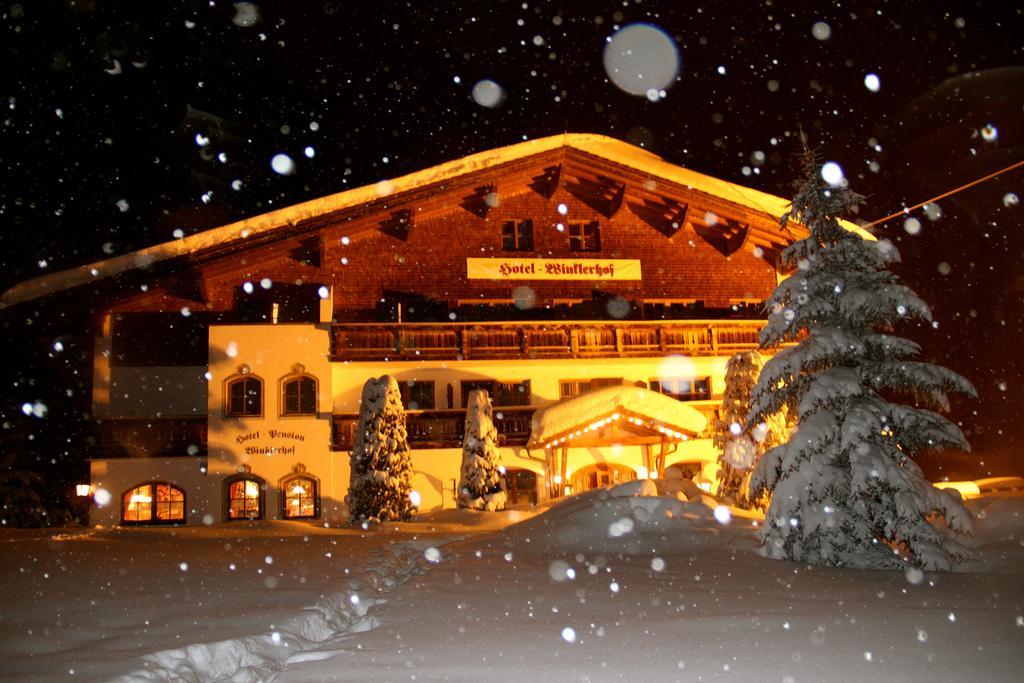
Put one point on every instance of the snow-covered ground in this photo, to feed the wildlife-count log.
(608, 585)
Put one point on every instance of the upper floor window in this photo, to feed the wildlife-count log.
(244, 396)
(683, 389)
(584, 236)
(517, 235)
(501, 393)
(153, 503)
(298, 393)
(417, 395)
(575, 387)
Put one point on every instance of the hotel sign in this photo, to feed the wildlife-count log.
(552, 269)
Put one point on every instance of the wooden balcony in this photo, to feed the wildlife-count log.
(128, 437)
(514, 340)
(446, 428)
(439, 428)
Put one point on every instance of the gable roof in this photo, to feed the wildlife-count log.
(580, 420)
(264, 225)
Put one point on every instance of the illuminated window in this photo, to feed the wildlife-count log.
(153, 503)
(417, 395)
(244, 397)
(300, 498)
(298, 395)
(584, 236)
(683, 389)
(517, 236)
(243, 497)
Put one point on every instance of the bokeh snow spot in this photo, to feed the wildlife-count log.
(569, 634)
(872, 82)
(558, 570)
(657, 564)
(282, 164)
(832, 173)
(488, 94)
(914, 575)
(912, 226)
(432, 554)
(821, 31)
(101, 497)
(620, 527)
(723, 515)
(246, 14)
(639, 58)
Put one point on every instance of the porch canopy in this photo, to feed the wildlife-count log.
(623, 415)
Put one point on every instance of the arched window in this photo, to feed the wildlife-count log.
(300, 496)
(244, 496)
(153, 503)
(298, 392)
(244, 396)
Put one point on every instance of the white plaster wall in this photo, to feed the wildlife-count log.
(117, 475)
(271, 352)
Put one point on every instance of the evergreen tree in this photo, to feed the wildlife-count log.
(845, 489)
(481, 486)
(740, 448)
(381, 466)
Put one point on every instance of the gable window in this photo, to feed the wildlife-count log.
(153, 503)
(683, 389)
(301, 501)
(584, 236)
(517, 235)
(501, 393)
(298, 393)
(243, 497)
(417, 395)
(244, 397)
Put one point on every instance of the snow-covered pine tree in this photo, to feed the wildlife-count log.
(740, 448)
(481, 486)
(845, 488)
(381, 466)
(736, 448)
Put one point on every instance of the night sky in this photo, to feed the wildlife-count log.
(126, 122)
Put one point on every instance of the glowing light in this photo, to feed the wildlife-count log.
(82, 490)
(415, 498)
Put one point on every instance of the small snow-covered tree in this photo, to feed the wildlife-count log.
(740, 448)
(845, 489)
(481, 486)
(381, 466)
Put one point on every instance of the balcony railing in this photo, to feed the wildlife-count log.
(126, 437)
(512, 340)
(446, 428)
(439, 428)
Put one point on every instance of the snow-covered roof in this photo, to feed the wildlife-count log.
(578, 416)
(251, 228)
